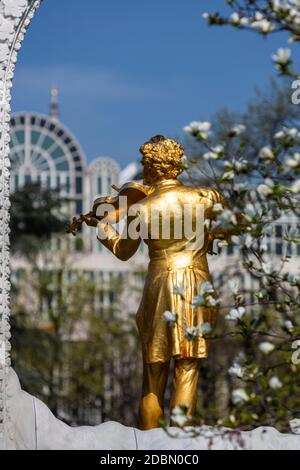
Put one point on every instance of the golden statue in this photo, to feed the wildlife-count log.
(174, 268)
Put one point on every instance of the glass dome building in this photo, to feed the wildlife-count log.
(44, 151)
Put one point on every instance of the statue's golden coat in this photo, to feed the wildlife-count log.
(172, 264)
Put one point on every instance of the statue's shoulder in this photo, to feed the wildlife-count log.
(204, 192)
(210, 193)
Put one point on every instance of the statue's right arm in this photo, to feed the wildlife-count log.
(122, 246)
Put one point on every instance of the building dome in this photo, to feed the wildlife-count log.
(44, 151)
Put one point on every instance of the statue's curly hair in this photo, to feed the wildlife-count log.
(163, 156)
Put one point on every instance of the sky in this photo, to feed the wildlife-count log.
(127, 70)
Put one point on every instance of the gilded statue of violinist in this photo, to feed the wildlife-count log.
(172, 263)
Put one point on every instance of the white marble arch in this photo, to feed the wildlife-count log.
(15, 17)
(26, 422)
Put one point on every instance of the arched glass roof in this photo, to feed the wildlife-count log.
(42, 143)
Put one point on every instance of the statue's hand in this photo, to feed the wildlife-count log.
(90, 221)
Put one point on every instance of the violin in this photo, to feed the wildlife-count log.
(134, 192)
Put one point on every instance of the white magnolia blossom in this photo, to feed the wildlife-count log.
(207, 301)
(236, 314)
(283, 56)
(296, 186)
(179, 416)
(226, 216)
(291, 134)
(289, 325)
(292, 235)
(293, 15)
(236, 19)
(243, 241)
(199, 129)
(262, 24)
(252, 212)
(240, 357)
(191, 332)
(263, 246)
(206, 287)
(205, 328)
(222, 243)
(179, 290)
(198, 331)
(295, 426)
(280, 5)
(239, 395)
(218, 207)
(210, 301)
(234, 286)
(240, 164)
(238, 129)
(208, 224)
(46, 390)
(275, 383)
(294, 162)
(214, 153)
(266, 347)
(268, 268)
(266, 188)
(266, 153)
(236, 371)
(294, 279)
(170, 317)
(236, 165)
(228, 175)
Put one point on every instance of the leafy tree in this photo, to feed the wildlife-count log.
(265, 115)
(251, 377)
(36, 214)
